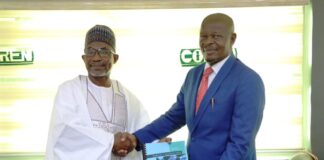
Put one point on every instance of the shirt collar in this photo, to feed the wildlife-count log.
(216, 67)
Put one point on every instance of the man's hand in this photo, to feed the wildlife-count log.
(166, 139)
(124, 143)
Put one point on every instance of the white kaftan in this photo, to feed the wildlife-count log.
(78, 132)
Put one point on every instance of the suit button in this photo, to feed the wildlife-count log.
(193, 139)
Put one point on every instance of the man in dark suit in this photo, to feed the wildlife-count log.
(223, 108)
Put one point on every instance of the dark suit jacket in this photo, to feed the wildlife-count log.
(224, 129)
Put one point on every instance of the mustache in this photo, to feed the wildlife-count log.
(209, 49)
(97, 64)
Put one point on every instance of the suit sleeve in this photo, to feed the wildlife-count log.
(247, 117)
(167, 123)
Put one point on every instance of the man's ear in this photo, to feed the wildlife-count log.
(233, 38)
(83, 57)
(116, 56)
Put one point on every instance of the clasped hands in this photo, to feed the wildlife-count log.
(125, 142)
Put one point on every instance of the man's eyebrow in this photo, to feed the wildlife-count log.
(98, 48)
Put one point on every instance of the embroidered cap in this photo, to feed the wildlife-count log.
(100, 33)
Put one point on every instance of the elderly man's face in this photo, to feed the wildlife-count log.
(99, 58)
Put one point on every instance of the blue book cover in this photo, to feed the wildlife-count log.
(165, 151)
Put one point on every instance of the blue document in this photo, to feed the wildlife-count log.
(165, 151)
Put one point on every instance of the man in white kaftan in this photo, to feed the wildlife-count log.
(89, 110)
(75, 135)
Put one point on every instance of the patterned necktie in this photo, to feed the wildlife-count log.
(203, 87)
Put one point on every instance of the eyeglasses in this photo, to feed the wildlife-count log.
(91, 52)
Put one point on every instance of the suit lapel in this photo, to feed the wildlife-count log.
(196, 82)
(212, 89)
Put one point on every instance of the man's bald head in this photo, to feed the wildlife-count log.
(219, 17)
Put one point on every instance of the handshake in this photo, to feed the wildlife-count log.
(125, 143)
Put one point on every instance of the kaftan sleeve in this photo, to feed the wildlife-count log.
(71, 135)
(137, 118)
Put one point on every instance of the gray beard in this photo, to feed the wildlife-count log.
(99, 74)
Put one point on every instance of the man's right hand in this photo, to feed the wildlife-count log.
(124, 143)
